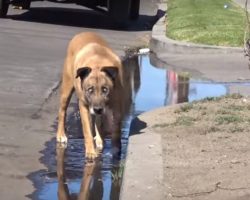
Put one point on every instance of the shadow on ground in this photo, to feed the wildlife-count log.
(137, 126)
(83, 18)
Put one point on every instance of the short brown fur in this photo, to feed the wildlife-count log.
(94, 72)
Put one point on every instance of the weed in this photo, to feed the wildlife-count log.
(184, 121)
(117, 172)
(203, 112)
(236, 107)
(186, 107)
(223, 112)
(234, 96)
(236, 129)
(227, 119)
(200, 107)
(163, 125)
(213, 129)
(207, 99)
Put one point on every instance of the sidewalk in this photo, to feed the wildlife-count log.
(242, 3)
(145, 169)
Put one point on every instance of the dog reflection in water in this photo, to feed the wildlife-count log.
(63, 190)
(92, 187)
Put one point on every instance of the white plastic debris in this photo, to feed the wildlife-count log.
(144, 51)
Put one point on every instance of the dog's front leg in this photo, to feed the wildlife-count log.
(98, 138)
(90, 152)
(66, 93)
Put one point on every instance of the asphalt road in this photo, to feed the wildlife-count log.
(32, 49)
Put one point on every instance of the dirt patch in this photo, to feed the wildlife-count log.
(206, 148)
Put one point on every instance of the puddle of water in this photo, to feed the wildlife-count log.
(148, 88)
(160, 87)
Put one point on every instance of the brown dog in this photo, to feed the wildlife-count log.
(95, 72)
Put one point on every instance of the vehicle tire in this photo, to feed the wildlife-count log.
(4, 6)
(119, 9)
(25, 4)
(134, 9)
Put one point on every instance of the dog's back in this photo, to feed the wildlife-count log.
(83, 39)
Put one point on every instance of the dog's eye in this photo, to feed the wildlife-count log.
(105, 90)
(90, 90)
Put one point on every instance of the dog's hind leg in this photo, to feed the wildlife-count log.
(66, 93)
(116, 134)
(116, 139)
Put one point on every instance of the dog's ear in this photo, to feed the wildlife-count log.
(83, 72)
(112, 72)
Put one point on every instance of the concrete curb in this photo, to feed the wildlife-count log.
(143, 173)
(161, 43)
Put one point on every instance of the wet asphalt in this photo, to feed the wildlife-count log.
(32, 50)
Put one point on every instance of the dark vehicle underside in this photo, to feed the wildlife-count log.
(120, 10)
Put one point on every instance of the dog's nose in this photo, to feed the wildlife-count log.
(98, 110)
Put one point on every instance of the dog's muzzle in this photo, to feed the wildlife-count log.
(96, 110)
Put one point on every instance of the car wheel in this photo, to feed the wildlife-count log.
(134, 9)
(119, 9)
(25, 4)
(4, 6)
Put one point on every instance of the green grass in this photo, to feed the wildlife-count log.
(227, 119)
(206, 22)
(184, 108)
(184, 121)
(163, 125)
(180, 121)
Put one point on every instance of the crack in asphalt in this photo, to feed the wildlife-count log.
(233, 189)
(49, 94)
(199, 193)
(217, 187)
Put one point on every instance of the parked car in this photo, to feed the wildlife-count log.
(121, 10)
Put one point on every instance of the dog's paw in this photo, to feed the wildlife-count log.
(62, 139)
(60, 145)
(98, 143)
(91, 155)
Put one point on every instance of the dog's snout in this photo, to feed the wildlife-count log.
(98, 110)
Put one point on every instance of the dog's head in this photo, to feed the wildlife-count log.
(97, 85)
